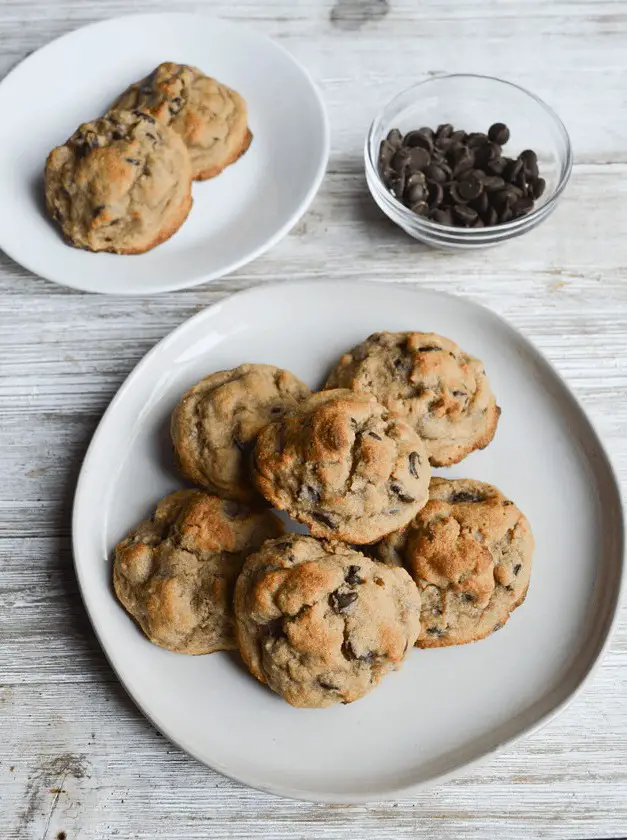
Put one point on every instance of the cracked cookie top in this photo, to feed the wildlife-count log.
(121, 183)
(175, 573)
(469, 551)
(319, 622)
(442, 392)
(343, 465)
(215, 424)
(211, 118)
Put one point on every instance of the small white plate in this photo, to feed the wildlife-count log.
(445, 709)
(237, 216)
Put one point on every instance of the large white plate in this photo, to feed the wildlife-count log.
(446, 708)
(235, 217)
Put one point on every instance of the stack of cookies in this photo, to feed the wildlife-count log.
(123, 182)
(394, 558)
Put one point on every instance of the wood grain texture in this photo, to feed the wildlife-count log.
(76, 757)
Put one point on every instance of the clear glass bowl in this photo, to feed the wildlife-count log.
(473, 103)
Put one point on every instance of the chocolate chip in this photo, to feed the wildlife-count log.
(400, 160)
(414, 462)
(274, 629)
(386, 152)
(498, 133)
(443, 131)
(327, 686)
(507, 502)
(134, 161)
(443, 217)
(428, 348)
(513, 170)
(325, 519)
(375, 436)
(517, 568)
(422, 138)
(175, 105)
(98, 210)
(395, 138)
(492, 217)
(530, 162)
(467, 596)
(481, 204)
(347, 650)
(436, 173)
(352, 576)
(462, 496)
(436, 194)
(470, 188)
(435, 631)
(492, 183)
(117, 135)
(476, 139)
(420, 208)
(233, 509)
(460, 394)
(465, 214)
(143, 116)
(340, 601)
(497, 626)
(309, 493)
(414, 194)
(497, 166)
(419, 158)
(401, 493)
(537, 187)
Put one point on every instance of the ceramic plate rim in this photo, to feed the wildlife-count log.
(460, 768)
(250, 256)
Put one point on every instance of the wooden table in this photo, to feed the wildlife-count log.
(77, 760)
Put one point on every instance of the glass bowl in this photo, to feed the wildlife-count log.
(473, 103)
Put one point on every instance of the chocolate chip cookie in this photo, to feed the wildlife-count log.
(320, 623)
(343, 465)
(121, 183)
(442, 392)
(211, 118)
(469, 550)
(215, 424)
(175, 573)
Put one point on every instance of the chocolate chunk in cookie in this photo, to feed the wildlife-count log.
(211, 118)
(215, 424)
(121, 183)
(175, 573)
(321, 623)
(442, 392)
(343, 465)
(469, 550)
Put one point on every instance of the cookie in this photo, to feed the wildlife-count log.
(320, 623)
(211, 118)
(121, 183)
(215, 424)
(442, 392)
(469, 550)
(175, 573)
(343, 465)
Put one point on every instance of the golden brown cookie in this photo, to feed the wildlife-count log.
(175, 573)
(215, 424)
(469, 550)
(442, 392)
(121, 183)
(320, 623)
(343, 465)
(211, 118)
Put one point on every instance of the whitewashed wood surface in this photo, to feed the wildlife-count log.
(77, 760)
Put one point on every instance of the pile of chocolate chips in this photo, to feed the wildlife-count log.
(460, 179)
